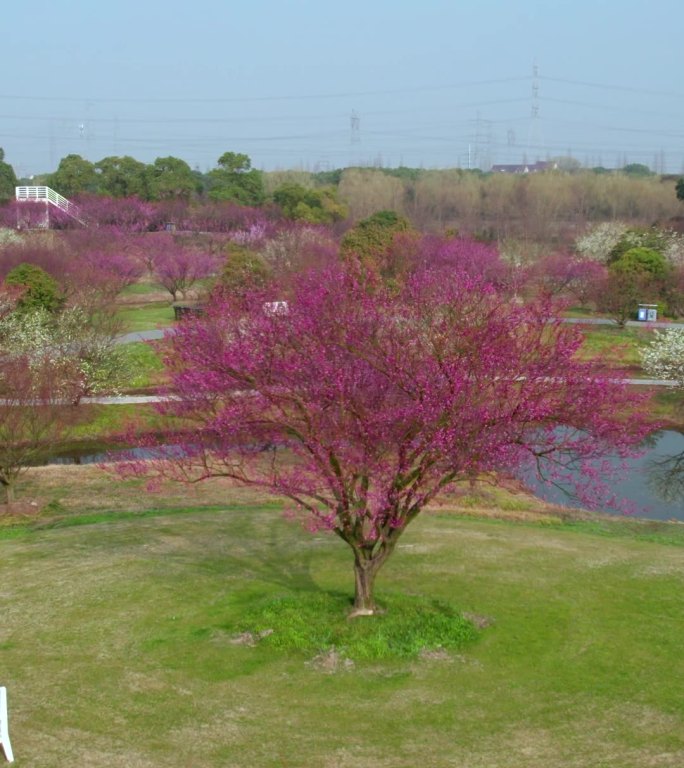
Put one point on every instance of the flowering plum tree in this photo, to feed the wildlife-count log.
(126, 214)
(563, 273)
(36, 251)
(472, 258)
(362, 403)
(33, 416)
(91, 267)
(178, 268)
(298, 248)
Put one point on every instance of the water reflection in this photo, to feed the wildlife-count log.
(651, 484)
(112, 454)
(666, 477)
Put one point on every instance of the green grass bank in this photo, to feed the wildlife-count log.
(119, 644)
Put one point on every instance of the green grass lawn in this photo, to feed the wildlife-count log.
(614, 347)
(668, 405)
(116, 644)
(100, 422)
(142, 289)
(146, 317)
(146, 363)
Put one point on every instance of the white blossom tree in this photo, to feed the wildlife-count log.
(599, 241)
(664, 356)
(82, 353)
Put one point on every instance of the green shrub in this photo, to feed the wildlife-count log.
(41, 289)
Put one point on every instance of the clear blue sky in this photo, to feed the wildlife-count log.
(434, 83)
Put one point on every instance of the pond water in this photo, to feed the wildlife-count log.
(105, 454)
(653, 483)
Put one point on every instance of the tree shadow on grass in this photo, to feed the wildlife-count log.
(271, 552)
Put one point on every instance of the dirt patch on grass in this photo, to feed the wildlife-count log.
(25, 509)
(330, 662)
(52, 492)
(76, 489)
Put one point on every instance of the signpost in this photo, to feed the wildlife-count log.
(4, 726)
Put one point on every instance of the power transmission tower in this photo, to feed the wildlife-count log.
(535, 138)
(53, 145)
(480, 151)
(354, 138)
(115, 135)
(355, 124)
(85, 130)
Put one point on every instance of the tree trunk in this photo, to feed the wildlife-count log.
(9, 493)
(365, 571)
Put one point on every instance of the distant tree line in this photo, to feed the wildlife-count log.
(550, 207)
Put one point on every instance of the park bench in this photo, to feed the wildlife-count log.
(187, 310)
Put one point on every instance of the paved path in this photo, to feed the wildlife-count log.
(649, 382)
(158, 333)
(144, 399)
(125, 399)
(155, 335)
(630, 323)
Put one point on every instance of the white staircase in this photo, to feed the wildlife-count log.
(49, 197)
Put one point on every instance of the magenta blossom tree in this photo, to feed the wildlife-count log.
(126, 214)
(178, 268)
(97, 264)
(568, 274)
(361, 403)
(468, 256)
(96, 278)
(92, 266)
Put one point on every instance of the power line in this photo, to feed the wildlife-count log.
(608, 87)
(248, 99)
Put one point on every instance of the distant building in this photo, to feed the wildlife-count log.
(538, 167)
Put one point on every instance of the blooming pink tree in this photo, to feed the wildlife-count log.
(34, 414)
(176, 267)
(127, 214)
(561, 274)
(98, 265)
(91, 266)
(362, 403)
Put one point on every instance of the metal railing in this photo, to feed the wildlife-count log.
(48, 195)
